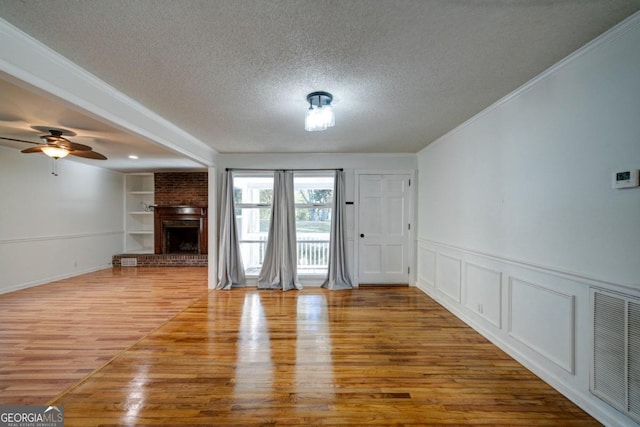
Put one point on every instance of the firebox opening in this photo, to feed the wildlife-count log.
(180, 230)
(182, 239)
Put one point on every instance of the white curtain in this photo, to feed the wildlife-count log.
(279, 268)
(230, 267)
(338, 275)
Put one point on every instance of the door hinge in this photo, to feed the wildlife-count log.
(409, 226)
(408, 270)
(409, 182)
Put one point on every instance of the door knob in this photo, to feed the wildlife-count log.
(362, 235)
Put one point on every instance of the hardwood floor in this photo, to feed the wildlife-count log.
(374, 356)
(54, 335)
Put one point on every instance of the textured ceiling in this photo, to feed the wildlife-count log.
(235, 73)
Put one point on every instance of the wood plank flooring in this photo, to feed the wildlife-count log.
(54, 335)
(374, 356)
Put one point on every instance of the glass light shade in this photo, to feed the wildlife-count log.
(327, 116)
(319, 118)
(55, 152)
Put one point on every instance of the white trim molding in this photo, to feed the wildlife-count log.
(59, 237)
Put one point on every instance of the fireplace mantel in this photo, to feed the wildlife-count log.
(164, 215)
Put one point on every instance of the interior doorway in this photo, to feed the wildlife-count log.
(384, 228)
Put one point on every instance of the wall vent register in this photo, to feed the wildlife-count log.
(615, 368)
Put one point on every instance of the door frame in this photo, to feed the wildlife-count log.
(356, 220)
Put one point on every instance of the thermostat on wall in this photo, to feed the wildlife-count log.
(625, 179)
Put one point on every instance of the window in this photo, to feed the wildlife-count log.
(313, 195)
(252, 196)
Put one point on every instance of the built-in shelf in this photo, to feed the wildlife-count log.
(139, 195)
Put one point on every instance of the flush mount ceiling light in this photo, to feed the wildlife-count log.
(320, 114)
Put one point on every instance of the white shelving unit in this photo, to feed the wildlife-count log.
(139, 196)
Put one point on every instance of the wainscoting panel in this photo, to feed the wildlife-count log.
(448, 276)
(483, 291)
(426, 266)
(543, 320)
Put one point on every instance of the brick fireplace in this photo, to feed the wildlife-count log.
(180, 212)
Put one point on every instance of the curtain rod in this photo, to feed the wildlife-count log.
(273, 170)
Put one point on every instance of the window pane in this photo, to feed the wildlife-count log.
(253, 223)
(313, 190)
(312, 232)
(253, 256)
(313, 256)
(313, 221)
(253, 189)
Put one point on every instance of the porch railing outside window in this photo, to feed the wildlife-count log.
(313, 254)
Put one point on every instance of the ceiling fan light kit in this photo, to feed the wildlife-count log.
(57, 146)
(320, 115)
(55, 152)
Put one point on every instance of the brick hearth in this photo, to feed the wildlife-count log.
(162, 260)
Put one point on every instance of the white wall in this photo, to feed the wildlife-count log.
(55, 227)
(349, 162)
(517, 217)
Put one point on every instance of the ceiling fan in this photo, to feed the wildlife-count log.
(57, 146)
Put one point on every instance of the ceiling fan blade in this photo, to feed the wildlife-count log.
(37, 149)
(88, 154)
(19, 140)
(74, 146)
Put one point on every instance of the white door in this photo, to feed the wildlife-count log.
(383, 229)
